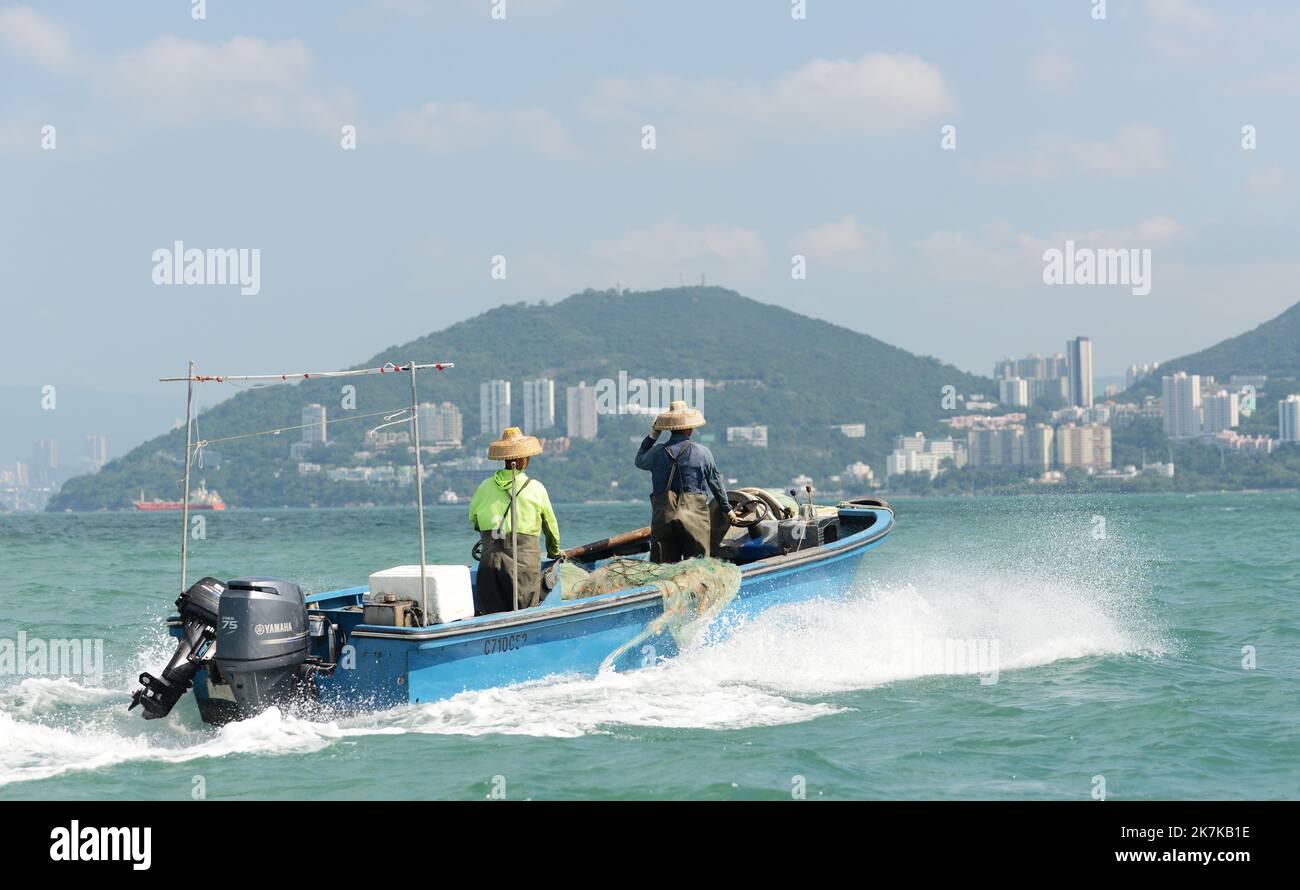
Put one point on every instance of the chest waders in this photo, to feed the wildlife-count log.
(679, 519)
(514, 540)
(502, 574)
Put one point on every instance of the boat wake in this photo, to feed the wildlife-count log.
(791, 664)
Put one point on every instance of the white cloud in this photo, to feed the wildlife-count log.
(873, 95)
(435, 8)
(177, 81)
(459, 126)
(1267, 181)
(245, 78)
(667, 251)
(1052, 72)
(1201, 37)
(1182, 14)
(1282, 81)
(1154, 231)
(844, 243)
(998, 254)
(1133, 149)
(991, 256)
(33, 38)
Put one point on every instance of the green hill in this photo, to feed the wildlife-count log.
(1272, 348)
(794, 374)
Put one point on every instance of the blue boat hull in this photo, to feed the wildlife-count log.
(383, 667)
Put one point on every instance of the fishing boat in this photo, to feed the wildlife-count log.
(410, 635)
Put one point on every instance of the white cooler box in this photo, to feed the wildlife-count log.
(451, 597)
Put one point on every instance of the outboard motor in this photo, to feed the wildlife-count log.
(198, 609)
(263, 641)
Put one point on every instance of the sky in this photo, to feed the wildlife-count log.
(920, 157)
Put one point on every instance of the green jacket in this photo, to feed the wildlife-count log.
(491, 503)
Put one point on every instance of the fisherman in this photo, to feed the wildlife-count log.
(683, 475)
(490, 515)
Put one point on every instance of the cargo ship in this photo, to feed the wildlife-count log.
(200, 499)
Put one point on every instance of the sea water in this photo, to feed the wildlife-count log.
(1137, 646)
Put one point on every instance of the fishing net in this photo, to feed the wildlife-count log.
(694, 593)
(573, 579)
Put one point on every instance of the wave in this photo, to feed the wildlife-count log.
(789, 665)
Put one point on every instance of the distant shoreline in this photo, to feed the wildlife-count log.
(899, 496)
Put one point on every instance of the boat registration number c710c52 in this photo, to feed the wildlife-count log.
(493, 645)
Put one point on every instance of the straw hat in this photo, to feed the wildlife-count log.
(679, 417)
(514, 445)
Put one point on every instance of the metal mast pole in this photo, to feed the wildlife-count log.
(514, 542)
(419, 494)
(185, 495)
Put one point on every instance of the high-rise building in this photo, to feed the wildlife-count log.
(914, 442)
(747, 435)
(1221, 412)
(441, 424)
(1137, 372)
(580, 405)
(860, 473)
(1054, 388)
(1013, 391)
(539, 405)
(1083, 446)
(1031, 366)
(996, 446)
(900, 463)
(314, 425)
(1044, 378)
(45, 454)
(1079, 358)
(96, 450)
(916, 454)
(493, 406)
(1038, 448)
(1288, 418)
(1180, 401)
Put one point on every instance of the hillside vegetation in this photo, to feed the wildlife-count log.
(794, 374)
(1272, 348)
